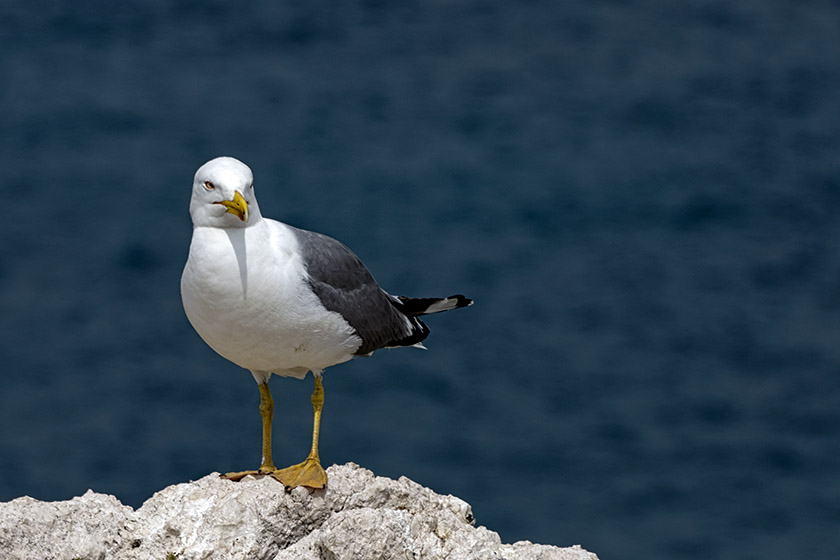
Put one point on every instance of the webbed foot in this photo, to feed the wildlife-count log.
(309, 473)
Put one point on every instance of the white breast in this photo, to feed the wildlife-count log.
(245, 291)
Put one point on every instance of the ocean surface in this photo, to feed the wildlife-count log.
(642, 197)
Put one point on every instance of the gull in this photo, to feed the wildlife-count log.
(275, 299)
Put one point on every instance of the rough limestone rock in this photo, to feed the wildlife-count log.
(358, 516)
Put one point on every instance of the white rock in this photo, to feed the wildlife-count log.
(358, 516)
(87, 527)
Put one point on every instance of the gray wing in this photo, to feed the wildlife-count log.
(344, 285)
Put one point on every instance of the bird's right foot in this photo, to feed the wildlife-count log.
(237, 476)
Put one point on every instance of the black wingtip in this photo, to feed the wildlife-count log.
(414, 307)
(461, 301)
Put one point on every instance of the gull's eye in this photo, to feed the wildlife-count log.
(209, 186)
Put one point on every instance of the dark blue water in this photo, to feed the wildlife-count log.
(643, 197)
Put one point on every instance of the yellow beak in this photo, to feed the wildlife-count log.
(238, 207)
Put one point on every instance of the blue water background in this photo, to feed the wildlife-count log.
(643, 198)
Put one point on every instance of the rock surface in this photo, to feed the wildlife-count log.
(359, 516)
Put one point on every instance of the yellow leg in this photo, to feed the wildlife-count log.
(309, 473)
(267, 412)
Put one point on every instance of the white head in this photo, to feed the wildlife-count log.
(223, 195)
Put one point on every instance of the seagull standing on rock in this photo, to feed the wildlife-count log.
(273, 298)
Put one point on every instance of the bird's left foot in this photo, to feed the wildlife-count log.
(310, 473)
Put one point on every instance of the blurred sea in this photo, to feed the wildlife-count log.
(642, 196)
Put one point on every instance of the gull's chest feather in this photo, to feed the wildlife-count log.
(246, 293)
